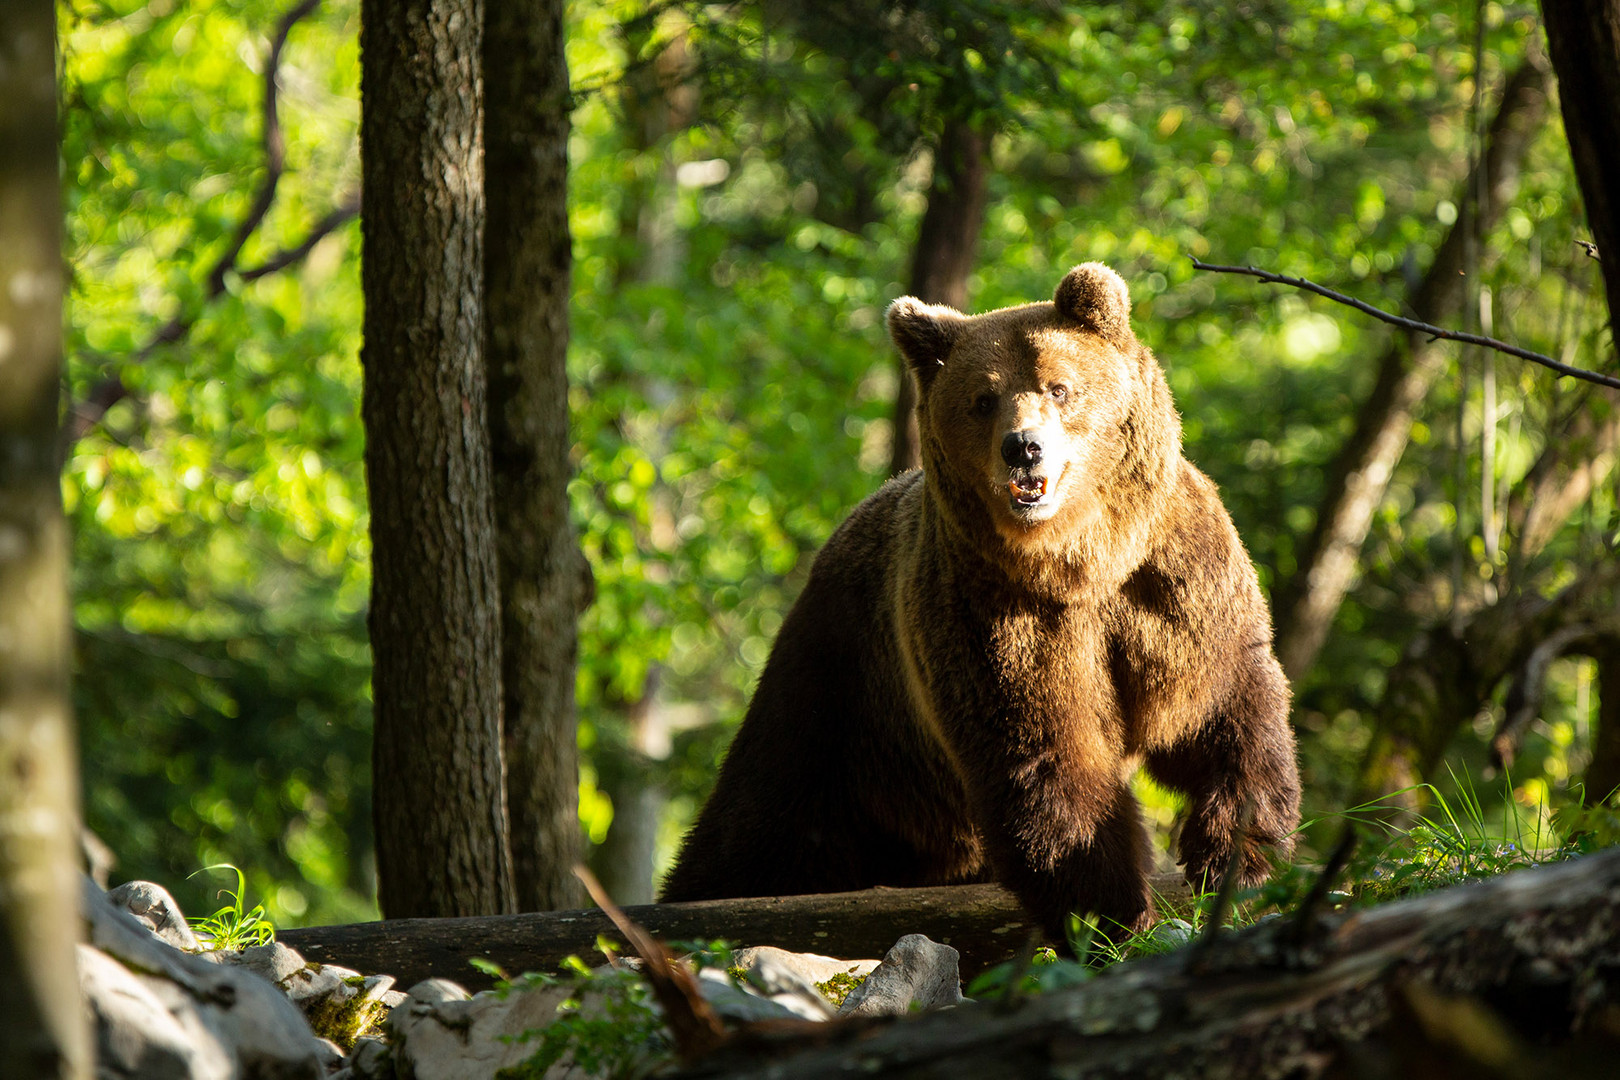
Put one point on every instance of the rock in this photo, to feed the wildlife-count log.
(274, 961)
(916, 974)
(782, 983)
(1173, 933)
(330, 1054)
(393, 999)
(736, 1004)
(157, 911)
(314, 983)
(370, 1060)
(137, 1037)
(813, 968)
(260, 1033)
(432, 991)
(442, 1037)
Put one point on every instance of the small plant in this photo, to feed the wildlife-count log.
(606, 1025)
(233, 926)
(838, 988)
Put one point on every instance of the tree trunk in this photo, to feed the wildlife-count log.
(630, 777)
(1360, 474)
(983, 922)
(544, 578)
(1510, 978)
(43, 1033)
(1583, 37)
(1603, 772)
(947, 247)
(438, 775)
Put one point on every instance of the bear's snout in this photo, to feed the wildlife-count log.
(1020, 449)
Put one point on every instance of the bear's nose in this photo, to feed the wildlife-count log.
(1019, 448)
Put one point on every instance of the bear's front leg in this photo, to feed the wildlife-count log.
(1065, 839)
(1243, 754)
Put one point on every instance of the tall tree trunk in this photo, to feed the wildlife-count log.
(438, 774)
(43, 1033)
(544, 579)
(1360, 474)
(947, 247)
(1603, 773)
(629, 775)
(1583, 37)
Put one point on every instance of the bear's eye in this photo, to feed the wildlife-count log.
(1059, 392)
(984, 404)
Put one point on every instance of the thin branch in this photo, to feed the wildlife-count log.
(1414, 325)
(348, 208)
(109, 391)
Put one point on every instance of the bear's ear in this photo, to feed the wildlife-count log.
(1096, 298)
(924, 333)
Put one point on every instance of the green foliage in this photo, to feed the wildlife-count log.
(731, 385)
(233, 926)
(606, 1026)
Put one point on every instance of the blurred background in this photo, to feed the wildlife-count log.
(748, 191)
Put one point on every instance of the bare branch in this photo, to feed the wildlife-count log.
(84, 415)
(342, 212)
(1414, 325)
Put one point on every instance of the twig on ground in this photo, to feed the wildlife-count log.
(1413, 324)
(692, 1021)
(1310, 908)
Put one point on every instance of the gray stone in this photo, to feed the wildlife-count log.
(916, 974)
(436, 1037)
(377, 987)
(813, 968)
(370, 1059)
(783, 984)
(311, 984)
(137, 1037)
(264, 1036)
(431, 991)
(393, 998)
(330, 1054)
(156, 910)
(733, 1003)
(1173, 933)
(274, 961)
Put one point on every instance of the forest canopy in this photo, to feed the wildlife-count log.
(747, 184)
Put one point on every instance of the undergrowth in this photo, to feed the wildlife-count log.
(233, 926)
(608, 1026)
(1399, 853)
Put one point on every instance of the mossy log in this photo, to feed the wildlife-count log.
(1518, 976)
(982, 922)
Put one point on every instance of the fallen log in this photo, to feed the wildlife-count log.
(1518, 976)
(982, 922)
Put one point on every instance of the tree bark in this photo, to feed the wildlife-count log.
(983, 922)
(1360, 474)
(543, 575)
(43, 1033)
(1512, 977)
(1603, 772)
(1449, 674)
(947, 248)
(438, 775)
(1578, 457)
(1583, 38)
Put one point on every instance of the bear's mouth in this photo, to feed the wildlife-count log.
(1026, 490)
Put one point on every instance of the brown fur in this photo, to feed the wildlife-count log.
(967, 682)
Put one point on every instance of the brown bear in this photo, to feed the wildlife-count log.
(988, 647)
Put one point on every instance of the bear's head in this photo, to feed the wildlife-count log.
(1052, 416)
